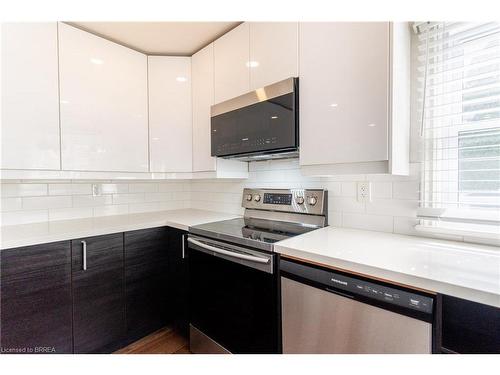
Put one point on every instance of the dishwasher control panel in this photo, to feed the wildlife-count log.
(355, 286)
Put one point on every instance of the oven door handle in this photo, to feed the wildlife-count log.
(228, 253)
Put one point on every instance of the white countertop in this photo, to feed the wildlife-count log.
(458, 269)
(32, 234)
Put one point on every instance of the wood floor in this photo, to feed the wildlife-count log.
(163, 341)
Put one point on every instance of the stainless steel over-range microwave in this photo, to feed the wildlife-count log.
(261, 124)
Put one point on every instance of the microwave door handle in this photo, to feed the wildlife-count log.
(228, 253)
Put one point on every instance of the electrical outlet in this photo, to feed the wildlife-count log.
(95, 190)
(364, 191)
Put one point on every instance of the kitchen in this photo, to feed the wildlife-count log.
(252, 187)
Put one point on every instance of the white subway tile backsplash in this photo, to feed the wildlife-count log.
(143, 207)
(173, 205)
(158, 197)
(181, 195)
(143, 187)
(381, 190)
(335, 218)
(91, 201)
(24, 217)
(116, 209)
(349, 189)
(61, 199)
(128, 198)
(23, 190)
(170, 186)
(70, 213)
(30, 203)
(333, 188)
(304, 185)
(135, 208)
(405, 189)
(10, 204)
(394, 207)
(368, 222)
(405, 225)
(345, 204)
(70, 189)
(114, 188)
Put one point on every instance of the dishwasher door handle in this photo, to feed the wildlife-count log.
(228, 253)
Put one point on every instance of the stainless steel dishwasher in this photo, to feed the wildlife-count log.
(334, 312)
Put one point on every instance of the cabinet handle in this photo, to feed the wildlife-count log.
(183, 246)
(84, 246)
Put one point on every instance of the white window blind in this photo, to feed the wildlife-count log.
(458, 87)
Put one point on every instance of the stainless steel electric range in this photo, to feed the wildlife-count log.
(234, 281)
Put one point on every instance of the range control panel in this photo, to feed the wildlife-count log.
(309, 201)
(353, 286)
(276, 198)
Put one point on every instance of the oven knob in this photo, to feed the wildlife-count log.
(249, 197)
(256, 198)
(299, 200)
(312, 200)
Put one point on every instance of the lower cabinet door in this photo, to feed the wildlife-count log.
(146, 281)
(98, 294)
(469, 327)
(178, 280)
(35, 290)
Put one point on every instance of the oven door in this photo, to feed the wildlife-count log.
(233, 298)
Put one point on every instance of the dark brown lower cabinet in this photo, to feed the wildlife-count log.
(178, 280)
(469, 327)
(35, 290)
(98, 294)
(146, 281)
(95, 294)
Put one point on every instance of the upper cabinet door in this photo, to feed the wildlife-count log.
(104, 116)
(30, 97)
(202, 69)
(170, 117)
(344, 92)
(231, 56)
(273, 52)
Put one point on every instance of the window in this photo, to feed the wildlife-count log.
(458, 90)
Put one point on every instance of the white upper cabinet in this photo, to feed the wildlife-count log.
(170, 124)
(30, 98)
(273, 52)
(103, 93)
(202, 69)
(346, 106)
(231, 56)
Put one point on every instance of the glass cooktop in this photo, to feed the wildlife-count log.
(239, 231)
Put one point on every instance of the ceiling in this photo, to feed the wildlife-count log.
(160, 38)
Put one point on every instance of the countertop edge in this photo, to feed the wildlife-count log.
(92, 229)
(398, 278)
